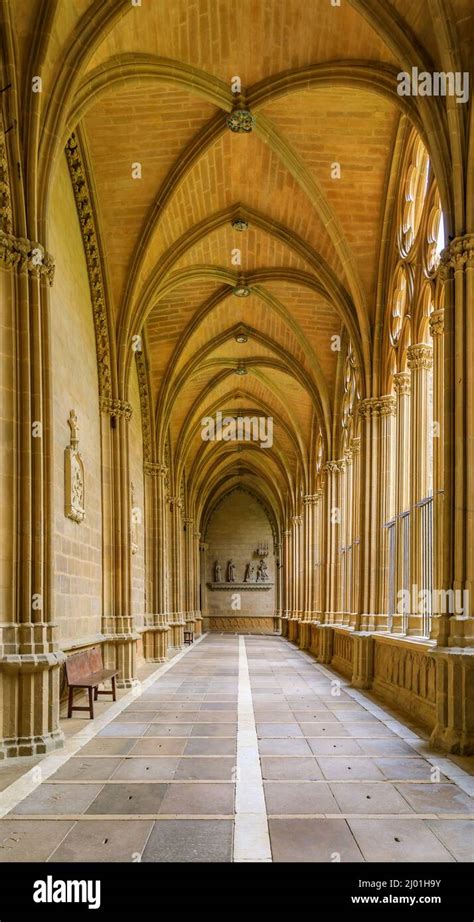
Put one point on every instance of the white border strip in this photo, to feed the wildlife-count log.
(251, 837)
(19, 789)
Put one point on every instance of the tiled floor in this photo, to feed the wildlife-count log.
(172, 775)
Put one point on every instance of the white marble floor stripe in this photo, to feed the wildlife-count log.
(251, 836)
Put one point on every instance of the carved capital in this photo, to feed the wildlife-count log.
(310, 499)
(297, 519)
(458, 255)
(402, 383)
(420, 355)
(155, 469)
(335, 467)
(20, 253)
(437, 322)
(388, 405)
(369, 407)
(119, 408)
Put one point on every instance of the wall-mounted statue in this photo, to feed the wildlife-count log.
(262, 572)
(249, 573)
(217, 572)
(74, 486)
(231, 572)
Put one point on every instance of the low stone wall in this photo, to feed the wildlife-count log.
(239, 624)
(405, 677)
(343, 652)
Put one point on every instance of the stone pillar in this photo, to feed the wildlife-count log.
(117, 621)
(29, 656)
(202, 581)
(189, 591)
(437, 330)
(176, 622)
(197, 585)
(347, 525)
(356, 487)
(420, 362)
(287, 581)
(156, 634)
(296, 585)
(333, 519)
(369, 414)
(454, 653)
(388, 410)
(402, 387)
(277, 550)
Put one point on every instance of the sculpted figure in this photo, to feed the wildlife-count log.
(217, 572)
(231, 572)
(249, 572)
(262, 572)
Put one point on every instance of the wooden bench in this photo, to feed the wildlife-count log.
(189, 637)
(86, 670)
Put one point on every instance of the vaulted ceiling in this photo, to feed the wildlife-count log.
(150, 85)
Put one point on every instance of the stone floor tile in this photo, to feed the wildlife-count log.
(206, 769)
(206, 799)
(303, 798)
(129, 729)
(171, 746)
(84, 769)
(31, 840)
(273, 730)
(398, 840)
(190, 841)
(456, 835)
(143, 769)
(308, 840)
(290, 768)
(219, 730)
(107, 747)
(283, 747)
(436, 798)
(123, 799)
(58, 798)
(366, 797)
(335, 768)
(176, 729)
(104, 841)
(327, 746)
(213, 746)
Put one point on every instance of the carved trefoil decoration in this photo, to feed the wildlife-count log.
(74, 481)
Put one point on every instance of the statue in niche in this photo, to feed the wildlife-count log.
(217, 572)
(262, 572)
(135, 520)
(231, 572)
(74, 487)
(249, 573)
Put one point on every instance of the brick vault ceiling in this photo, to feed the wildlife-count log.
(154, 88)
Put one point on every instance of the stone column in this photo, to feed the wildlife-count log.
(29, 655)
(402, 387)
(287, 581)
(437, 330)
(156, 635)
(177, 622)
(189, 592)
(197, 585)
(347, 526)
(117, 621)
(388, 410)
(356, 486)
(454, 653)
(420, 362)
(369, 414)
(296, 610)
(333, 519)
(202, 581)
(277, 550)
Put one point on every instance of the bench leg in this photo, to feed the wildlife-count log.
(91, 703)
(96, 693)
(114, 695)
(69, 702)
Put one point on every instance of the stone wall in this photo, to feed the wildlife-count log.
(236, 528)
(77, 547)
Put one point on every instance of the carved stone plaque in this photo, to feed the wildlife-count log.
(74, 487)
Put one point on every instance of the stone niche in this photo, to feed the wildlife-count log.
(236, 529)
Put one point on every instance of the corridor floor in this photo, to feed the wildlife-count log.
(245, 749)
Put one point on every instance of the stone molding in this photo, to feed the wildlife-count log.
(144, 404)
(85, 211)
(113, 407)
(6, 214)
(420, 355)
